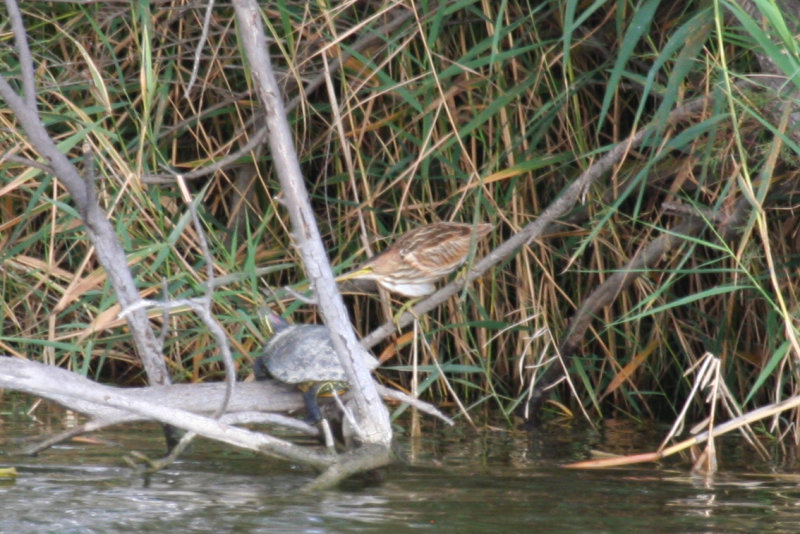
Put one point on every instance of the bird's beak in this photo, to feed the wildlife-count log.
(353, 274)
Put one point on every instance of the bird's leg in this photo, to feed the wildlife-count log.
(406, 307)
(461, 274)
(463, 271)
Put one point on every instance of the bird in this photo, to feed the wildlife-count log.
(420, 257)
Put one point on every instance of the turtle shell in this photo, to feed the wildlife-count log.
(304, 353)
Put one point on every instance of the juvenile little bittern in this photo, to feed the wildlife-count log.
(420, 257)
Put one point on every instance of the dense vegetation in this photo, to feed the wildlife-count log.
(406, 114)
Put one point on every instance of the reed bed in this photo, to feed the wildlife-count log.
(407, 113)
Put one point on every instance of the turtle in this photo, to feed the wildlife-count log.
(303, 355)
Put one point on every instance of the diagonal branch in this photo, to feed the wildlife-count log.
(559, 207)
(107, 247)
(373, 417)
(25, 58)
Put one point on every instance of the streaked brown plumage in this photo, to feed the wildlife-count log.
(420, 257)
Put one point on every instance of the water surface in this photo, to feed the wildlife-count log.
(463, 481)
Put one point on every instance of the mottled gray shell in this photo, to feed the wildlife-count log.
(304, 353)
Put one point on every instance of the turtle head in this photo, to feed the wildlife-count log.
(260, 368)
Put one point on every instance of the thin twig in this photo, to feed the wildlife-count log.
(27, 162)
(201, 43)
(202, 308)
(25, 58)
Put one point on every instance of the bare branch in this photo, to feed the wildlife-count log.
(204, 398)
(207, 316)
(70, 389)
(372, 414)
(200, 45)
(25, 58)
(25, 161)
(565, 202)
(107, 247)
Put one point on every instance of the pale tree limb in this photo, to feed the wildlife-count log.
(39, 380)
(100, 231)
(251, 402)
(236, 418)
(59, 385)
(424, 407)
(372, 415)
(25, 58)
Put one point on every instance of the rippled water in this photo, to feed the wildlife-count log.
(463, 482)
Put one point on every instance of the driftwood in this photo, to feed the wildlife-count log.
(106, 403)
(251, 402)
(66, 387)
